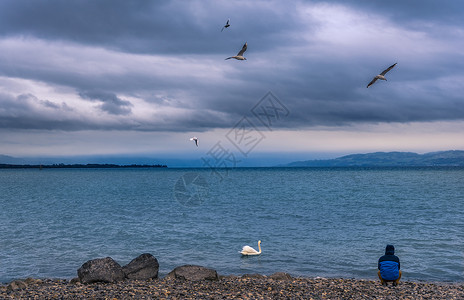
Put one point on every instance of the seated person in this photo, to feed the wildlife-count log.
(389, 267)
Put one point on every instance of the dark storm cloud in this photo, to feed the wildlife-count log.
(317, 56)
(185, 27)
(179, 27)
(88, 22)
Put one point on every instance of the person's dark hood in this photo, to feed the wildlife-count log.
(389, 250)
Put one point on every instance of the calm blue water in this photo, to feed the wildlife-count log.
(312, 222)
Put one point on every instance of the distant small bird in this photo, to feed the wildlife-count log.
(195, 139)
(227, 25)
(239, 56)
(381, 76)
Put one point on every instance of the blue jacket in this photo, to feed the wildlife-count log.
(389, 264)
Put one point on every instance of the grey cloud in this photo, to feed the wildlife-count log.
(26, 111)
(410, 12)
(112, 104)
(25, 102)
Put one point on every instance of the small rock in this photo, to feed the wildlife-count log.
(228, 277)
(281, 276)
(143, 267)
(29, 281)
(16, 285)
(100, 270)
(193, 273)
(75, 280)
(257, 276)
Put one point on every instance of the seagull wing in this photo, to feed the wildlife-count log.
(388, 69)
(243, 50)
(372, 82)
(195, 139)
(227, 25)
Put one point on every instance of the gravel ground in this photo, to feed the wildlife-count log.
(231, 287)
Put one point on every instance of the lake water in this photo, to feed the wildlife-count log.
(312, 221)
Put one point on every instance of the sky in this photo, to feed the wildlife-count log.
(140, 78)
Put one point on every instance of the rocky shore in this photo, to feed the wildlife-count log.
(276, 286)
(104, 278)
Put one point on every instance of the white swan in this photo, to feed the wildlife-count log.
(247, 250)
(239, 56)
(195, 139)
(381, 76)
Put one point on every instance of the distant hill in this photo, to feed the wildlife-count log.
(388, 159)
(5, 159)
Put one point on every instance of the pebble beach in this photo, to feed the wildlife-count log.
(231, 287)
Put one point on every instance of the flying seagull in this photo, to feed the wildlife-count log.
(195, 139)
(227, 25)
(381, 76)
(239, 56)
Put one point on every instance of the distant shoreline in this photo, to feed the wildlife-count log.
(77, 166)
(143, 166)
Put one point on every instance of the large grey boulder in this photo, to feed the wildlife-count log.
(143, 267)
(193, 273)
(100, 270)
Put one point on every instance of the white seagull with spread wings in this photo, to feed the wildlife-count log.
(239, 56)
(195, 139)
(381, 76)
